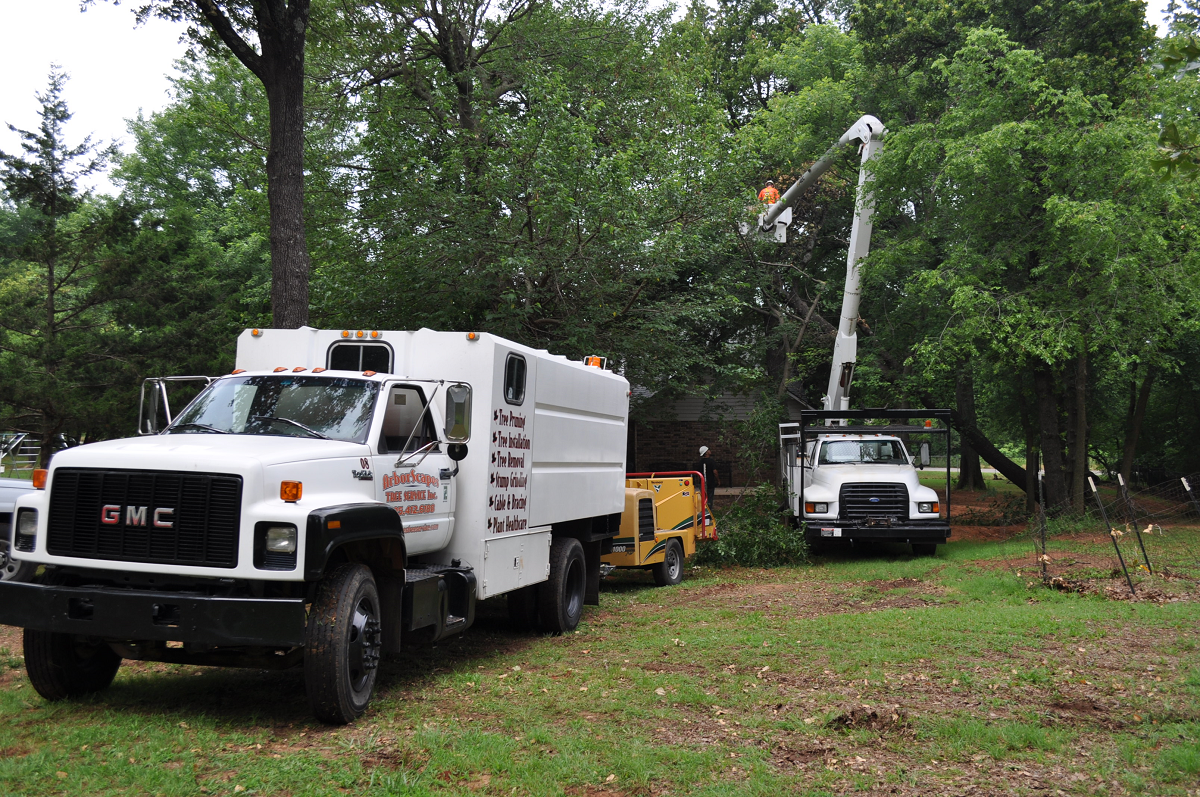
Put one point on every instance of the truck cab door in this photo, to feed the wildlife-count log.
(412, 469)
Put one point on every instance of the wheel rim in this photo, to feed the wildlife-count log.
(364, 644)
(575, 589)
(673, 563)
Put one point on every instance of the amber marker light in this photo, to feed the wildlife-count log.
(318, 370)
(592, 361)
(281, 368)
(374, 333)
(256, 333)
(359, 333)
(291, 491)
(368, 373)
(345, 333)
(39, 478)
(238, 371)
(472, 336)
(298, 369)
(333, 524)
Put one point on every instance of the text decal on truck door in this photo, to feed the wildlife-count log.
(508, 472)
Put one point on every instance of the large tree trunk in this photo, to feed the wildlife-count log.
(1050, 438)
(1134, 426)
(285, 194)
(1032, 455)
(970, 476)
(1079, 465)
(281, 29)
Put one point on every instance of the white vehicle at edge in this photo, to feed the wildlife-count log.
(861, 463)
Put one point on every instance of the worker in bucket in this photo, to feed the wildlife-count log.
(769, 194)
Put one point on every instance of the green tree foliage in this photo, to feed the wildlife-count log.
(58, 348)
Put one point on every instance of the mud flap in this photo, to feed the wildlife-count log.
(591, 558)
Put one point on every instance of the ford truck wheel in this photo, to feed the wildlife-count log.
(341, 653)
(63, 665)
(670, 570)
(561, 597)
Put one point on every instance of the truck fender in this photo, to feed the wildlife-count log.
(350, 523)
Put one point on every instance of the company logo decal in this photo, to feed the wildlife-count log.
(873, 500)
(162, 517)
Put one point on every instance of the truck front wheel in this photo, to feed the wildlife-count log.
(62, 665)
(670, 570)
(345, 638)
(561, 596)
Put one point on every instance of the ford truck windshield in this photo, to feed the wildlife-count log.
(286, 405)
(862, 452)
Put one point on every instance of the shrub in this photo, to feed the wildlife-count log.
(755, 532)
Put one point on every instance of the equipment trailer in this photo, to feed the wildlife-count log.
(665, 513)
(319, 505)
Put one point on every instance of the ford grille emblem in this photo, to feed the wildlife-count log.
(874, 500)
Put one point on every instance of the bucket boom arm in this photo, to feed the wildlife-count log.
(868, 133)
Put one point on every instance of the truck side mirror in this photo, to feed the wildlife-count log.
(458, 415)
(924, 455)
(457, 451)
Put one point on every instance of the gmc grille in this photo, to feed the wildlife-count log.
(204, 521)
(862, 501)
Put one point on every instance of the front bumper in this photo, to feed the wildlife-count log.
(909, 531)
(134, 615)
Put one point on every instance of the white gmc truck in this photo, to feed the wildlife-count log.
(340, 491)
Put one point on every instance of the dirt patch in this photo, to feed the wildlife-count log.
(888, 719)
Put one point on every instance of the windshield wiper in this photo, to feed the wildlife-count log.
(297, 424)
(203, 426)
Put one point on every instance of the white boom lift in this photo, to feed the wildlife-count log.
(868, 132)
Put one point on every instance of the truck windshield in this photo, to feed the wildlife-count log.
(285, 405)
(862, 452)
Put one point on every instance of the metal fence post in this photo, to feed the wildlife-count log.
(1112, 534)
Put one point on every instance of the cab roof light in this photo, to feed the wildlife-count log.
(39, 478)
(281, 368)
(318, 370)
(298, 369)
(358, 334)
(239, 370)
(374, 333)
(291, 491)
(368, 373)
(256, 333)
(345, 333)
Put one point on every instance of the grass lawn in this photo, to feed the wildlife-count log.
(877, 673)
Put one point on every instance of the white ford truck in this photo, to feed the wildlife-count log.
(860, 484)
(319, 505)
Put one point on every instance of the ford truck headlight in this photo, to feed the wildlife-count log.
(26, 527)
(928, 507)
(281, 539)
(816, 509)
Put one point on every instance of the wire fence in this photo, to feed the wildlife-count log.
(1126, 542)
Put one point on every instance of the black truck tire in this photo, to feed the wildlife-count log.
(523, 608)
(62, 665)
(561, 597)
(669, 571)
(344, 641)
(924, 548)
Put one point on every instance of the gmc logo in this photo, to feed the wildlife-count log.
(110, 515)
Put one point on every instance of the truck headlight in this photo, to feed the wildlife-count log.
(927, 507)
(816, 509)
(26, 527)
(281, 539)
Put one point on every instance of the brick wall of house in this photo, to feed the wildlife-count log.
(675, 445)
